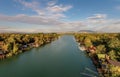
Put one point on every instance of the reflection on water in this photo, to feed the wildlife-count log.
(61, 58)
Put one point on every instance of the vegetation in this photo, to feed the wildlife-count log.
(12, 44)
(104, 44)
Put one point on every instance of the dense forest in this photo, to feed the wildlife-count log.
(13, 44)
(104, 50)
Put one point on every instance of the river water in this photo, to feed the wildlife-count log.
(61, 58)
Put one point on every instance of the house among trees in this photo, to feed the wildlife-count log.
(30, 44)
(92, 49)
(23, 47)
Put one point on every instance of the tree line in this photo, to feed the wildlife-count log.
(12, 44)
(104, 44)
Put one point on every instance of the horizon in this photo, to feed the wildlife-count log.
(36, 16)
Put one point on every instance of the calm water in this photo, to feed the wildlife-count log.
(61, 58)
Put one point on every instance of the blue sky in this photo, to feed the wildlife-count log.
(59, 15)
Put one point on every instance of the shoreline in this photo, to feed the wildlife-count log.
(21, 51)
(18, 48)
(95, 62)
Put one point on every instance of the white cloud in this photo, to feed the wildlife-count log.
(97, 17)
(49, 9)
(109, 25)
(33, 5)
(40, 20)
(50, 15)
(55, 25)
(109, 28)
(51, 23)
(100, 22)
(58, 8)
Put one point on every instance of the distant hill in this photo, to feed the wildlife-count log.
(86, 31)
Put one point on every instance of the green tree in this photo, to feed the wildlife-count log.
(87, 42)
(112, 54)
(101, 49)
(15, 48)
(114, 43)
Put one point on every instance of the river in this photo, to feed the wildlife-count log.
(61, 58)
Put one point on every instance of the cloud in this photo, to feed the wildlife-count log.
(39, 20)
(97, 17)
(48, 9)
(58, 9)
(51, 3)
(50, 15)
(50, 23)
(110, 25)
(109, 28)
(100, 22)
(33, 5)
(55, 25)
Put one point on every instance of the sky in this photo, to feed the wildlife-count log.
(59, 15)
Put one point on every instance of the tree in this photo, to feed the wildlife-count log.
(26, 39)
(112, 54)
(7, 47)
(87, 42)
(15, 48)
(101, 49)
(114, 43)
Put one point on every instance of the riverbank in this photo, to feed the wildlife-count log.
(94, 60)
(103, 65)
(103, 49)
(13, 44)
